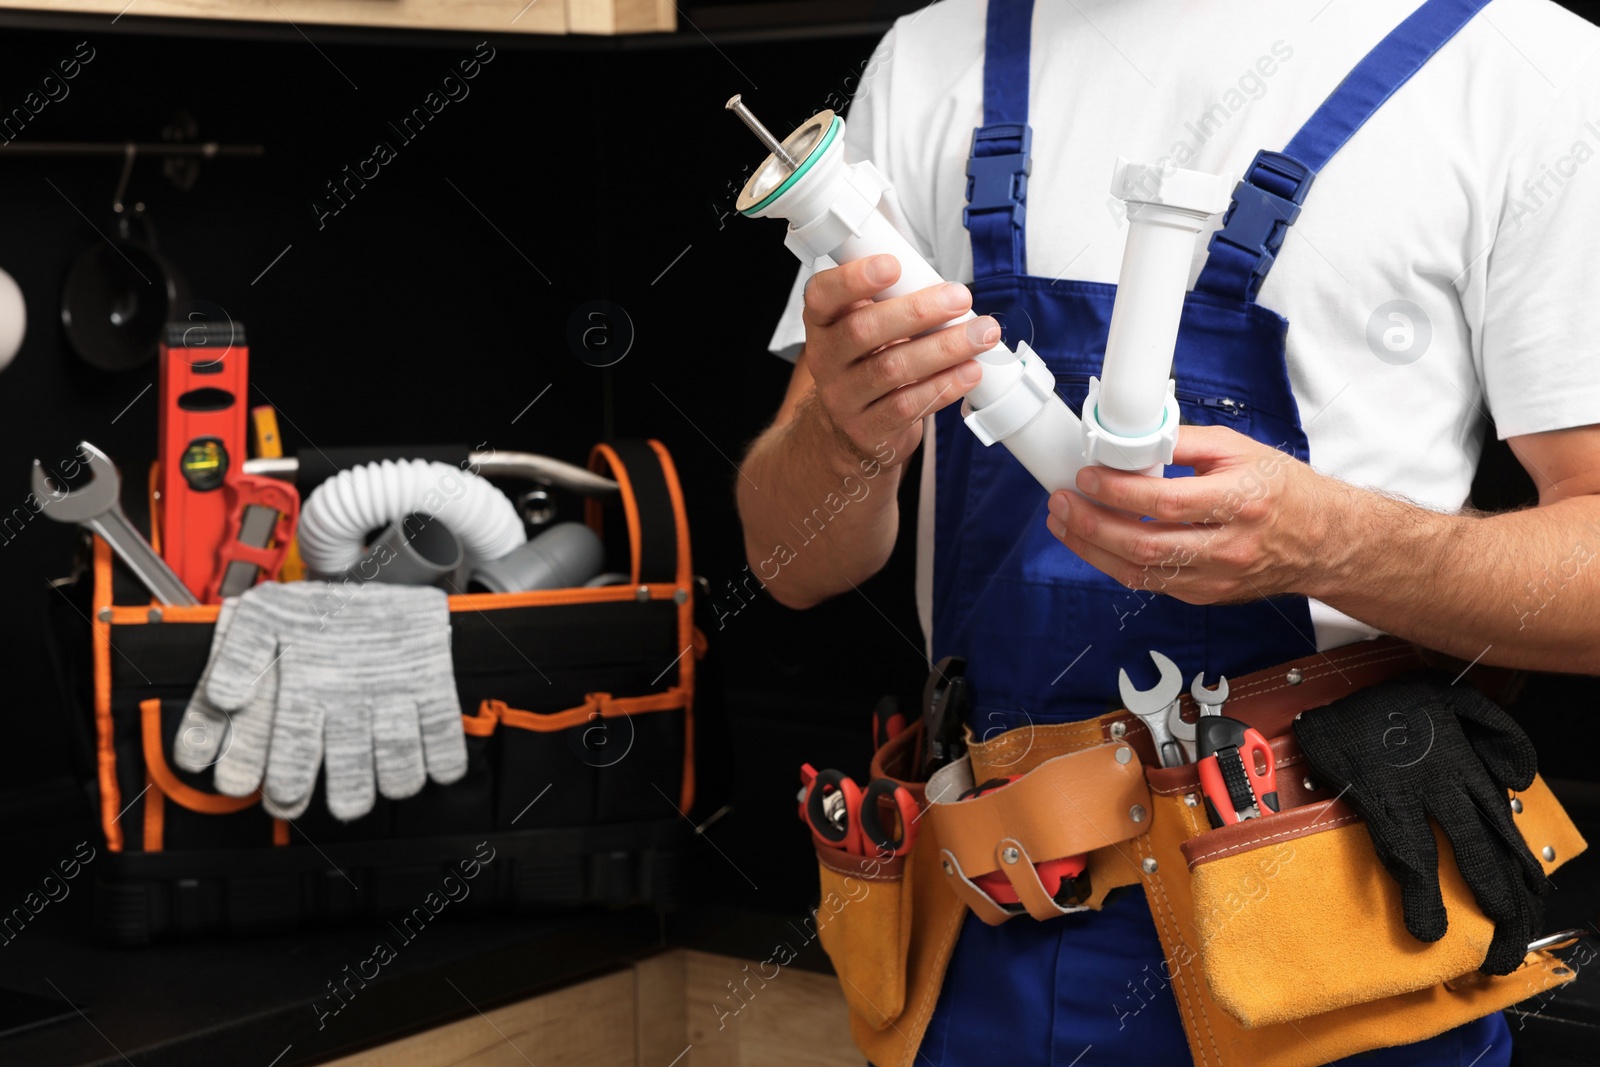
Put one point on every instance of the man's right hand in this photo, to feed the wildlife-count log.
(875, 379)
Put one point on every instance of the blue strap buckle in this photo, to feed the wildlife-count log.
(999, 181)
(1259, 218)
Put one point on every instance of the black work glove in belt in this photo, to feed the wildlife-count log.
(1417, 746)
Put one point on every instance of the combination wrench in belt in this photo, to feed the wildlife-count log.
(1156, 706)
(1207, 702)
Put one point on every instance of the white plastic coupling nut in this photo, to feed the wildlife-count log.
(841, 215)
(1017, 406)
(1191, 192)
(1104, 448)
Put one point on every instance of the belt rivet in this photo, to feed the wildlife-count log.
(642, 593)
(105, 614)
(1516, 805)
(154, 615)
(1310, 784)
(1137, 813)
(1191, 800)
(1548, 853)
(679, 596)
(949, 869)
(1010, 855)
(1150, 865)
(1119, 730)
(1124, 754)
(1295, 677)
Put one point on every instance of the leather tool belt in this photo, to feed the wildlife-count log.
(1339, 975)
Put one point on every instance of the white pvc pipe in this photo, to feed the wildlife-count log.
(877, 236)
(1131, 415)
(1144, 321)
(1050, 446)
(833, 211)
(837, 210)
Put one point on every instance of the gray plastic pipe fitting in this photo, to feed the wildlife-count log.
(566, 555)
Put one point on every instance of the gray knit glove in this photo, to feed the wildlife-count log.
(365, 686)
(235, 744)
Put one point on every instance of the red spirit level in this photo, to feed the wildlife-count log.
(204, 375)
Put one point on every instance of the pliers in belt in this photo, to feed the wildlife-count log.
(844, 816)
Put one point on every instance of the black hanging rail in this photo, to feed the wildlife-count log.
(201, 150)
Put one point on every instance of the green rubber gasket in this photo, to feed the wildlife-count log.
(816, 153)
(1156, 430)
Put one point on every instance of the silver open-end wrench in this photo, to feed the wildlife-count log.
(1207, 702)
(98, 506)
(1155, 705)
(1210, 701)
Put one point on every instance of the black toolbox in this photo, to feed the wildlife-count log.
(578, 711)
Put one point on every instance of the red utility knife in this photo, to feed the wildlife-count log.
(1237, 776)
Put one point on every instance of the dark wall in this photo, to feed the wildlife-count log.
(413, 315)
(435, 306)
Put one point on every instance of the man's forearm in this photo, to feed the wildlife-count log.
(817, 519)
(1519, 589)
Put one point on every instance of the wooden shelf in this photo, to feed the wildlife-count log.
(594, 17)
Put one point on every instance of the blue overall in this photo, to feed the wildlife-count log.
(1044, 633)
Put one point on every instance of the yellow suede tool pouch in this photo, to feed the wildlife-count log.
(1285, 938)
(1295, 915)
(864, 916)
(863, 920)
(889, 924)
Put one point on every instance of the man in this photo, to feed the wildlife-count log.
(1436, 280)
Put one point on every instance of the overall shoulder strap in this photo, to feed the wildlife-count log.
(1267, 202)
(998, 163)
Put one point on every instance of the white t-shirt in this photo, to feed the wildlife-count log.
(1473, 194)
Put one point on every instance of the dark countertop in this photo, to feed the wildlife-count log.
(250, 1000)
(205, 1004)
(256, 1000)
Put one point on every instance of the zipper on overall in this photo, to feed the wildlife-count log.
(1225, 405)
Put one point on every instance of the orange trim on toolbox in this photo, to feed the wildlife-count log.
(104, 741)
(686, 630)
(630, 507)
(547, 597)
(155, 762)
(602, 705)
(155, 512)
(680, 516)
(280, 832)
(139, 614)
(483, 723)
(155, 817)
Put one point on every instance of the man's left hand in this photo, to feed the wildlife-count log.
(1253, 522)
